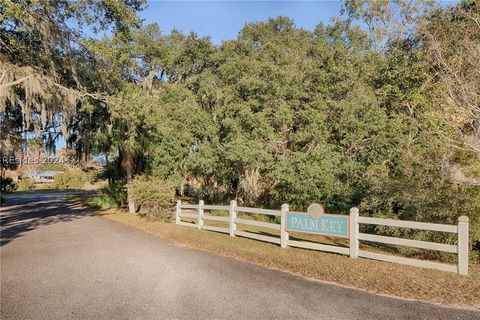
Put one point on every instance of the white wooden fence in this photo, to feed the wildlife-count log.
(461, 248)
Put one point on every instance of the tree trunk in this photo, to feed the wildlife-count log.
(183, 183)
(127, 165)
(131, 204)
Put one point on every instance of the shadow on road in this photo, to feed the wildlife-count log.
(24, 213)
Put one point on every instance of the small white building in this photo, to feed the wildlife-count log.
(44, 176)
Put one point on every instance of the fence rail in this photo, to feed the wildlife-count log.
(460, 249)
(409, 224)
(222, 208)
(259, 211)
(257, 236)
(274, 226)
(217, 229)
(215, 218)
(408, 242)
(189, 215)
(318, 246)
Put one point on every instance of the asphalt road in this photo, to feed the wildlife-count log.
(59, 261)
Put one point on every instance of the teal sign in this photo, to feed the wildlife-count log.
(315, 221)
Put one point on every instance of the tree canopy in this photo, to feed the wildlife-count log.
(379, 117)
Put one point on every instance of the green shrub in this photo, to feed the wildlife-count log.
(54, 167)
(7, 184)
(74, 179)
(112, 196)
(104, 202)
(25, 184)
(90, 175)
(154, 197)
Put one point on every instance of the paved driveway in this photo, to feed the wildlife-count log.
(59, 261)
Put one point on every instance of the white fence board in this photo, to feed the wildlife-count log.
(224, 208)
(215, 218)
(258, 223)
(318, 246)
(189, 206)
(188, 215)
(409, 224)
(408, 261)
(259, 211)
(257, 236)
(186, 224)
(217, 229)
(408, 242)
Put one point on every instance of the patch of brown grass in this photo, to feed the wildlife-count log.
(375, 276)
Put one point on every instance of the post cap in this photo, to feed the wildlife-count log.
(354, 210)
(463, 219)
(201, 202)
(179, 201)
(233, 203)
(285, 206)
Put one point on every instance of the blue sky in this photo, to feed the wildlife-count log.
(222, 20)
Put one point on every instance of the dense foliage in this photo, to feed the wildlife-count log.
(378, 118)
(71, 179)
(47, 76)
(154, 197)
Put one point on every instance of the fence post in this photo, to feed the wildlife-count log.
(178, 211)
(354, 233)
(233, 216)
(200, 214)
(463, 245)
(283, 226)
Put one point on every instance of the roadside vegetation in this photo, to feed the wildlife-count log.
(385, 116)
(73, 179)
(375, 276)
(70, 178)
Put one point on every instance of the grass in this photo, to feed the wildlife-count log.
(374, 276)
(102, 203)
